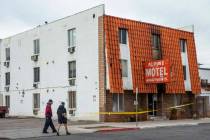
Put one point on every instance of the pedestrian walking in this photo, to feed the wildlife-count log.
(48, 118)
(62, 118)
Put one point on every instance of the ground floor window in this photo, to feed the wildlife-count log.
(118, 102)
(36, 101)
(7, 101)
(72, 102)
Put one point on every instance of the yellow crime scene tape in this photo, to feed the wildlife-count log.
(141, 112)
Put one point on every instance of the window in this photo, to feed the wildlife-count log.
(156, 41)
(72, 69)
(7, 52)
(7, 78)
(123, 36)
(124, 65)
(117, 102)
(183, 44)
(156, 51)
(36, 101)
(185, 72)
(7, 101)
(72, 99)
(36, 74)
(72, 37)
(36, 46)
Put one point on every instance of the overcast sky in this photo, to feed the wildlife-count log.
(19, 15)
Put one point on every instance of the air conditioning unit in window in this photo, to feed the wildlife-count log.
(35, 85)
(6, 88)
(71, 50)
(34, 57)
(6, 64)
(72, 81)
(72, 111)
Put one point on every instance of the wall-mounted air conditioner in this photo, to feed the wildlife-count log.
(72, 81)
(71, 50)
(6, 64)
(6, 88)
(34, 57)
(35, 85)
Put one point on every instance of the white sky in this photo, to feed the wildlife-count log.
(19, 15)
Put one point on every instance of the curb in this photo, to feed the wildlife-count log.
(116, 130)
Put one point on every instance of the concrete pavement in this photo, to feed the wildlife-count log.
(27, 130)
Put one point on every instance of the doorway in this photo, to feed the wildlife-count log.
(152, 104)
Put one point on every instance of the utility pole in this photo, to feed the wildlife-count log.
(136, 103)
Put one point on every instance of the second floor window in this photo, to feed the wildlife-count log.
(36, 46)
(124, 65)
(156, 51)
(183, 44)
(36, 74)
(72, 69)
(156, 41)
(72, 37)
(7, 52)
(185, 72)
(7, 78)
(123, 36)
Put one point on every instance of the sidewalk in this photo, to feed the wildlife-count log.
(27, 132)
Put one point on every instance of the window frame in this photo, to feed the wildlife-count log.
(36, 43)
(119, 103)
(37, 95)
(183, 45)
(184, 72)
(71, 37)
(124, 67)
(7, 79)
(123, 38)
(72, 71)
(7, 54)
(7, 101)
(72, 100)
(156, 44)
(36, 74)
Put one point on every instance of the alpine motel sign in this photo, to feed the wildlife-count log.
(157, 71)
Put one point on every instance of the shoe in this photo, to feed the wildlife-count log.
(54, 131)
(67, 133)
(45, 132)
(58, 134)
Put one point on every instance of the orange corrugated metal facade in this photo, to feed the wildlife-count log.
(140, 45)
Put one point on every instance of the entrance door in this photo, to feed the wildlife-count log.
(152, 104)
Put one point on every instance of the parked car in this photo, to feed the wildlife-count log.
(3, 111)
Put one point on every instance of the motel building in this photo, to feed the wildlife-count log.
(98, 65)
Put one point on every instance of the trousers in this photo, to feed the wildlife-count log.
(49, 122)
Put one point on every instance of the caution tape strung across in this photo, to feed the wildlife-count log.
(141, 112)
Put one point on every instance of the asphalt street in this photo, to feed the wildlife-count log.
(198, 132)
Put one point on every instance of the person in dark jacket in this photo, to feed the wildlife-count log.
(62, 118)
(48, 118)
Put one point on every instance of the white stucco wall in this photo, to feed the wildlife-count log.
(53, 63)
(185, 62)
